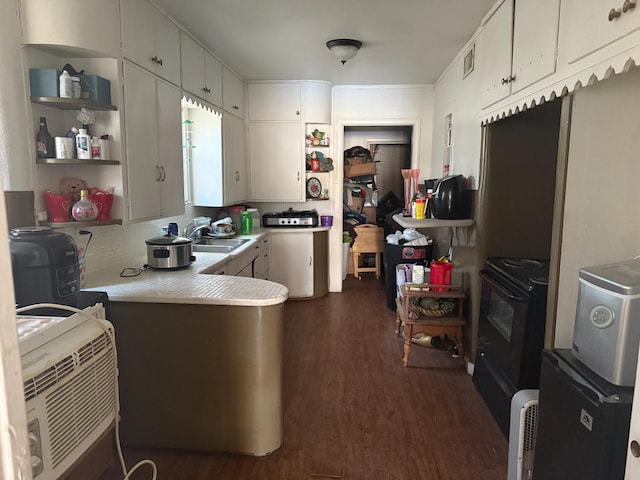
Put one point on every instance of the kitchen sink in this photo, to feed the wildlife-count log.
(218, 245)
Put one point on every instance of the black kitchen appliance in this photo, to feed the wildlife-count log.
(583, 422)
(451, 198)
(291, 218)
(510, 331)
(45, 266)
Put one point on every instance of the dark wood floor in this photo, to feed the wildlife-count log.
(351, 411)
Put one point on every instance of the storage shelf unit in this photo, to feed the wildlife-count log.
(74, 161)
(72, 103)
(452, 324)
(96, 223)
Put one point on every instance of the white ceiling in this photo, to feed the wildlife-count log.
(404, 41)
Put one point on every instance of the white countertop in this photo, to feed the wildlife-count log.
(189, 285)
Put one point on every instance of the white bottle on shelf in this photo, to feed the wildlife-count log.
(66, 85)
(83, 145)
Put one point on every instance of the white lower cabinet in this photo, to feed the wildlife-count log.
(242, 265)
(261, 264)
(153, 146)
(276, 160)
(291, 262)
(298, 260)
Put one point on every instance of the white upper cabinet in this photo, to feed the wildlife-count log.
(275, 101)
(235, 165)
(45, 22)
(495, 41)
(587, 26)
(277, 161)
(233, 100)
(201, 71)
(535, 38)
(518, 46)
(316, 102)
(153, 146)
(150, 39)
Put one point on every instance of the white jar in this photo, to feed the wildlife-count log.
(83, 145)
(75, 87)
(105, 153)
(256, 221)
(66, 85)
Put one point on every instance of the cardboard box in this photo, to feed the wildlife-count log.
(99, 88)
(370, 213)
(360, 170)
(44, 82)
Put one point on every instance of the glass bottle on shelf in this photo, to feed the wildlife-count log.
(44, 141)
(84, 210)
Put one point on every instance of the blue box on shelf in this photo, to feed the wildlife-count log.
(99, 88)
(44, 82)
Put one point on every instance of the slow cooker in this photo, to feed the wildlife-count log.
(45, 266)
(169, 252)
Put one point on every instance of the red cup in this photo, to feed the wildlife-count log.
(103, 201)
(58, 206)
(440, 274)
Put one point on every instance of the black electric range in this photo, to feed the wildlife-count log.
(511, 329)
(291, 218)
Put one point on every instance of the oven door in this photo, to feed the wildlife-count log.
(501, 328)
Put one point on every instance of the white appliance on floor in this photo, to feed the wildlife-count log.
(69, 373)
(522, 434)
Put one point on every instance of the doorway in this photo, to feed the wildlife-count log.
(390, 148)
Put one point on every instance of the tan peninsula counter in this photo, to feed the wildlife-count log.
(199, 356)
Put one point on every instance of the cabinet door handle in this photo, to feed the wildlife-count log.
(160, 61)
(158, 176)
(310, 260)
(236, 107)
(298, 176)
(508, 79)
(154, 59)
(614, 13)
(237, 176)
(628, 5)
(206, 90)
(164, 174)
(297, 112)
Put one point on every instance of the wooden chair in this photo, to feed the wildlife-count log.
(369, 239)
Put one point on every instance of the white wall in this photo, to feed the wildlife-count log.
(388, 104)
(14, 461)
(601, 222)
(384, 105)
(16, 163)
(460, 97)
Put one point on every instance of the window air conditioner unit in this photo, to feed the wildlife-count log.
(522, 434)
(68, 368)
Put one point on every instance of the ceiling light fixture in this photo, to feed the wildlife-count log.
(344, 48)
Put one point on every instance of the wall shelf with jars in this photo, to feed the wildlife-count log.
(74, 161)
(72, 103)
(91, 223)
(98, 109)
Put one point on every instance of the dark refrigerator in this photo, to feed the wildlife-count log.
(583, 422)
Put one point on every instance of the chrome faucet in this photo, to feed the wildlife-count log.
(192, 233)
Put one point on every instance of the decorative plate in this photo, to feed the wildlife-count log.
(314, 188)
